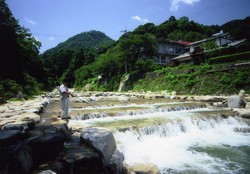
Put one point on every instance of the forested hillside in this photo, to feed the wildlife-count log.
(81, 49)
(21, 68)
(239, 29)
(132, 54)
(134, 51)
(93, 59)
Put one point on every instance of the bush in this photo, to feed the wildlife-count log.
(31, 86)
(9, 88)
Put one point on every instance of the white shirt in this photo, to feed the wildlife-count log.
(62, 90)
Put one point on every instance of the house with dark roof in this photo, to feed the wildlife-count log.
(221, 39)
(167, 50)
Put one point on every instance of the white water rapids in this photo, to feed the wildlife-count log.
(183, 146)
(185, 142)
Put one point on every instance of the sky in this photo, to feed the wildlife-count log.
(54, 21)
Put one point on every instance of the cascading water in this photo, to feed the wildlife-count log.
(179, 138)
(129, 110)
(190, 145)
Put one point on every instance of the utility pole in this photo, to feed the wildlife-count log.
(124, 31)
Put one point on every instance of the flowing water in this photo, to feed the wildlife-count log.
(178, 137)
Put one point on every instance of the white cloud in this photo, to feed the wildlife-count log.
(175, 3)
(30, 21)
(138, 18)
(51, 38)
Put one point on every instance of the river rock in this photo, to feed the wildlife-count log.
(28, 117)
(146, 169)
(60, 125)
(47, 172)
(46, 142)
(16, 158)
(21, 126)
(248, 105)
(173, 93)
(82, 159)
(5, 121)
(244, 113)
(235, 101)
(148, 96)
(100, 139)
(127, 169)
(8, 137)
(115, 165)
(3, 108)
(208, 98)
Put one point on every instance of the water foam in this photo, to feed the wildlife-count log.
(171, 146)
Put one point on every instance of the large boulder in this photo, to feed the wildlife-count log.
(15, 157)
(102, 140)
(83, 158)
(235, 101)
(20, 125)
(46, 142)
(9, 137)
(115, 165)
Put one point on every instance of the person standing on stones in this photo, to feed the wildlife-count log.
(64, 93)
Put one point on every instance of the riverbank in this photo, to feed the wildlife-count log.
(29, 124)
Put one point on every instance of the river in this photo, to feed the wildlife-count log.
(179, 137)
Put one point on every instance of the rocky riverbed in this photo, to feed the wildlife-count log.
(33, 139)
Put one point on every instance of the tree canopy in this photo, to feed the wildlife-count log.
(82, 49)
(93, 57)
(21, 67)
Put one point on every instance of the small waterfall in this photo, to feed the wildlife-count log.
(128, 111)
(90, 116)
(178, 137)
(190, 145)
(173, 128)
(181, 108)
(160, 109)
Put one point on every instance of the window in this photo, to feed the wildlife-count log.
(171, 49)
(163, 59)
(161, 48)
(178, 50)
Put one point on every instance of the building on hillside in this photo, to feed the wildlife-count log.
(195, 49)
(167, 50)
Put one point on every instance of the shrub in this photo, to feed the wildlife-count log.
(9, 88)
(31, 87)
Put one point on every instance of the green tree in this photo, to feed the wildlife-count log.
(210, 45)
(19, 52)
(134, 47)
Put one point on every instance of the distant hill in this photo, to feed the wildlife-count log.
(132, 53)
(88, 54)
(239, 29)
(92, 39)
(75, 52)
